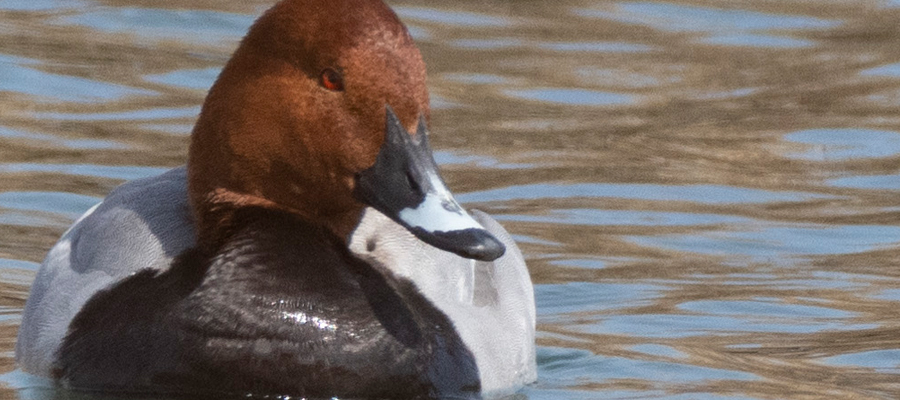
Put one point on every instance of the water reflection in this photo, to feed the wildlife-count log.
(112, 172)
(45, 140)
(843, 144)
(21, 75)
(574, 97)
(199, 79)
(891, 70)
(762, 242)
(875, 182)
(448, 17)
(727, 27)
(40, 5)
(147, 24)
(706, 192)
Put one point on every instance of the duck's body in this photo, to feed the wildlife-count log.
(281, 308)
(291, 268)
(340, 298)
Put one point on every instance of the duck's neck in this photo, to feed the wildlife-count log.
(215, 217)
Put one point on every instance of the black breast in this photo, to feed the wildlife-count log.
(281, 309)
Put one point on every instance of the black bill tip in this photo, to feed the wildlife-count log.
(472, 243)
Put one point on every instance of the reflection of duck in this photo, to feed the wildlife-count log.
(294, 254)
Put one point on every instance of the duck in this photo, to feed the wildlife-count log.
(309, 247)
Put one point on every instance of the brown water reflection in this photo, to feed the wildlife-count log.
(706, 191)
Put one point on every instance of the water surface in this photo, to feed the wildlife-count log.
(707, 193)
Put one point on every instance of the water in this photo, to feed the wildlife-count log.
(707, 193)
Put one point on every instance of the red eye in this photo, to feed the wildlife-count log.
(332, 80)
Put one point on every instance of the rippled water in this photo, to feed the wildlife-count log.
(707, 193)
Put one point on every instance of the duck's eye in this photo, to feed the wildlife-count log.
(332, 80)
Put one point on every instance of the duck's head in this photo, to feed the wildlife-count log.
(322, 111)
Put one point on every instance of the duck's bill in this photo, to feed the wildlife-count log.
(405, 185)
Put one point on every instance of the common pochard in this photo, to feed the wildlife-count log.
(309, 247)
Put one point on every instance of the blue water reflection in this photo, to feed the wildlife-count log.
(581, 365)
(65, 204)
(845, 144)
(13, 218)
(481, 161)
(598, 217)
(888, 294)
(198, 79)
(704, 194)
(684, 18)
(454, 18)
(757, 40)
(884, 360)
(597, 47)
(574, 97)
(589, 263)
(765, 242)
(875, 182)
(732, 27)
(130, 115)
(46, 140)
(105, 171)
(173, 128)
(44, 5)
(687, 325)
(890, 70)
(477, 79)
(623, 77)
(658, 350)
(155, 24)
(558, 300)
(763, 309)
(24, 76)
(488, 44)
